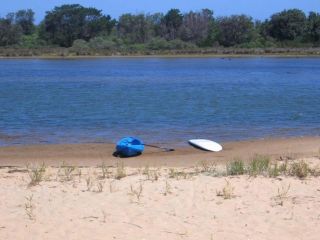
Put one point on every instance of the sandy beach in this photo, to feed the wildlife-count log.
(186, 194)
(187, 156)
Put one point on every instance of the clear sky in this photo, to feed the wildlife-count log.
(258, 9)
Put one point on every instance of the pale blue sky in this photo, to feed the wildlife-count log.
(258, 9)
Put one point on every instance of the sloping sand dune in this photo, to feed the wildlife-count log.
(157, 203)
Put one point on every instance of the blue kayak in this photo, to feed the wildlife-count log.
(129, 147)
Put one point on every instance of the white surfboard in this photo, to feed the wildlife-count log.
(206, 145)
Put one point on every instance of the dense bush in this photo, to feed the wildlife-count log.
(88, 29)
(102, 43)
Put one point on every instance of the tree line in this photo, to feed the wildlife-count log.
(82, 28)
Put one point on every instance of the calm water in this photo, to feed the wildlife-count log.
(157, 99)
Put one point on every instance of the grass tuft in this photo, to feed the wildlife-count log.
(173, 173)
(227, 192)
(120, 171)
(29, 207)
(36, 174)
(89, 183)
(282, 194)
(152, 175)
(104, 170)
(167, 189)
(100, 186)
(259, 165)
(136, 192)
(274, 170)
(236, 167)
(68, 170)
(207, 167)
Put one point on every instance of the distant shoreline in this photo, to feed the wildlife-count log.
(69, 53)
(169, 56)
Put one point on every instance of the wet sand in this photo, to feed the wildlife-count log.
(94, 154)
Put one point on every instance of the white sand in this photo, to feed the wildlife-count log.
(168, 208)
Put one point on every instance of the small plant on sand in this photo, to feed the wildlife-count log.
(173, 173)
(104, 171)
(152, 175)
(299, 169)
(258, 165)
(227, 191)
(167, 189)
(29, 207)
(146, 170)
(104, 216)
(236, 167)
(282, 194)
(36, 174)
(136, 192)
(274, 170)
(100, 186)
(207, 166)
(284, 168)
(89, 183)
(315, 172)
(112, 186)
(68, 170)
(120, 171)
(79, 174)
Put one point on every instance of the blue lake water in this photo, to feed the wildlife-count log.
(157, 99)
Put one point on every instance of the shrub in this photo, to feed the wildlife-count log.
(158, 44)
(80, 47)
(299, 169)
(102, 43)
(179, 44)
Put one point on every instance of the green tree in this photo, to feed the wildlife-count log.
(171, 24)
(10, 33)
(287, 25)
(313, 27)
(155, 20)
(233, 30)
(135, 28)
(196, 26)
(25, 19)
(67, 23)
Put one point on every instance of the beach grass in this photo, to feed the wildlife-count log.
(258, 165)
(236, 167)
(36, 173)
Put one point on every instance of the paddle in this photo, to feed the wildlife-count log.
(163, 148)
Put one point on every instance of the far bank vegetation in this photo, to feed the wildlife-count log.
(74, 30)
